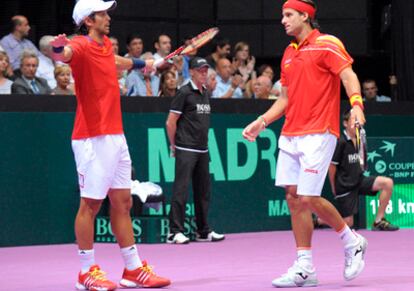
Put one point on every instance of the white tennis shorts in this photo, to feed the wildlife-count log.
(304, 161)
(103, 162)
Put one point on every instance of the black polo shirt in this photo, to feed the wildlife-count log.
(194, 122)
(348, 170)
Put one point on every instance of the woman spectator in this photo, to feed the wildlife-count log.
(243, 62)
(168, 84)
(62, 76)
(5, 84)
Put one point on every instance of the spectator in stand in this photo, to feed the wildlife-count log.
(370, 90)
(28, 83)
(46, 64)
(16, 41)
(162, 46)
(243, 61)
(262, 88)
(211, 80)
(115, 45)
(121, 74)
(228, 86)
(62, 74)
(142, 82)
(135, 46)
(265, 70)
(168, 84)
(221, 49)
(5, 84)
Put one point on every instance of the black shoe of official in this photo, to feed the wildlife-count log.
(384, 225)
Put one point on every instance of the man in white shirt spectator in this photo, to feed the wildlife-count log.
(46, 65)
(228, 86)
(370, 90)
(162, 46)
(16, 41)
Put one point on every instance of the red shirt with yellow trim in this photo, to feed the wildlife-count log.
(311, 71)
(98, 110)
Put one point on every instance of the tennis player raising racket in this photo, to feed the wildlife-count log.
(312, 68)
(98, 142)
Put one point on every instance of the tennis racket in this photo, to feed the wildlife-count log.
(361, 143)
(195, 43)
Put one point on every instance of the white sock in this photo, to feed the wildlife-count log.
(305, 257)
(87, 259)
(131, 258)
(348, 237)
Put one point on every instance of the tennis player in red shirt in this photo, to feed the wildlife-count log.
(98, 142)
(312, 69)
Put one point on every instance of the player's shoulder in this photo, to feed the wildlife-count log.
(79, 40)
(329, 40)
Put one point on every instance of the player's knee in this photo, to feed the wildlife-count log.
(90, 207)
(306, 202)
(292, 201)
(122, 205)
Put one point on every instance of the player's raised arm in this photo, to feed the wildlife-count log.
(61, 51)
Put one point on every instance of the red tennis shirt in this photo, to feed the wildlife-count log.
(311, 71)
(98, 110)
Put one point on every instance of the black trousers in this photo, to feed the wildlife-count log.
(195, 167)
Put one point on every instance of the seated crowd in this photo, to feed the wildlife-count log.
(26, 69)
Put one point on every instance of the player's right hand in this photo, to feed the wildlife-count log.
(59, 41)
(252, 130)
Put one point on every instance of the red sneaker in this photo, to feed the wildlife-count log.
(143, 277)
(95, 280)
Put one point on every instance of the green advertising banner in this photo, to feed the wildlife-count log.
(393, 157)
(39, 193)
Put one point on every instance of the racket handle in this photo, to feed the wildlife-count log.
(158, 63)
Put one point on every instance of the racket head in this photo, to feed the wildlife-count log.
(200, 40)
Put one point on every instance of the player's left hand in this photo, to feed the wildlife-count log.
(357, 116)
(252, 130)
(59, 41)
(149, 67)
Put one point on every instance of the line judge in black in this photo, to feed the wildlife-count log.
(187, 127)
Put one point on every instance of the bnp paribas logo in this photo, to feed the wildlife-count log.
(379, 156)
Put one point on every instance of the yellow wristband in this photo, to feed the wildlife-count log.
(356, 99)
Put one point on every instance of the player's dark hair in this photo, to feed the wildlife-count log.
(313, 22)
(83, 29)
